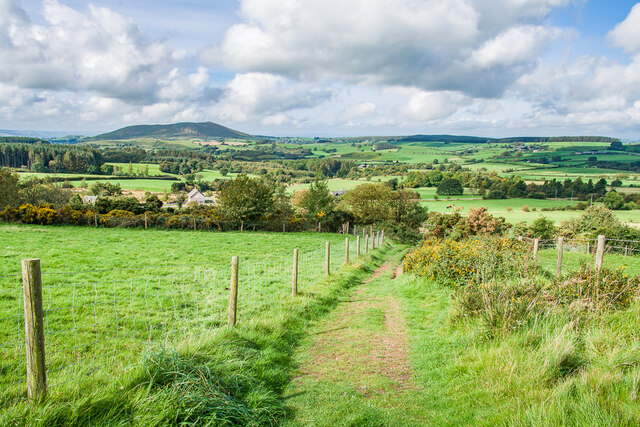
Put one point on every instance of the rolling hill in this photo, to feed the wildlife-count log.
(171, 131)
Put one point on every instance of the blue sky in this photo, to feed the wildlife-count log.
(324, 67)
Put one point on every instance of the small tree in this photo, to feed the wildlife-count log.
(450, 187)
(369, 203)
(543, 228)
(613, 200)
(8, 188)
(317, 202)
(245, 199)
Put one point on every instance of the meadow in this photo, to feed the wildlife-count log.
(110, 294)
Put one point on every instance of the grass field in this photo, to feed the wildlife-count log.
(146, 351)
(109, 293)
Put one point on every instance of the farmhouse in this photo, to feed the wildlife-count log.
(338, 193)
(195, 196)
(89, 199)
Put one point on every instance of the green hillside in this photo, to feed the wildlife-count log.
(175, 130)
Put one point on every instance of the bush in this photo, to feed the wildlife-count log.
(473, 260)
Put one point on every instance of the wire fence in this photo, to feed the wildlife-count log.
(616, 253)
(89, 325)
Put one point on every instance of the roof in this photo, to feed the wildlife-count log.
(194, 192)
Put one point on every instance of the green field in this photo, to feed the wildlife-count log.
(83, 249)
(109, 293)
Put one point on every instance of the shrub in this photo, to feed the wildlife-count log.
(543, 228)
(525, 208)
(586, 290)
(473, 260)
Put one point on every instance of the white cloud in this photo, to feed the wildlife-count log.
(359, 111)
(425, 44)
(253, 95)
(430, 106)
(515, 45)
(626, 34)
(98, 51)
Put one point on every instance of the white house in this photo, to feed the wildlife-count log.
(195, 196)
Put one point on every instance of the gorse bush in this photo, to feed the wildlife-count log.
(468, 261)
(496, 282)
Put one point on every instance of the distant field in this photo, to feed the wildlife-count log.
(67, 248)
(138, 168)
(500, 208)
(343, 184)
(152, 185)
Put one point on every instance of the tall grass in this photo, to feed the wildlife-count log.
(535, 350)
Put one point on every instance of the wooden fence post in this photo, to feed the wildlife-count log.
(600, 252)
(560, 249)
(233, 291)
(348, 224)
(145, 220)
(371, 236)
(346, 250)
(536, 246)
(327, 259)
(194, 224)
(358, 247)
(366, 244)
(294, 284)
(34, 330)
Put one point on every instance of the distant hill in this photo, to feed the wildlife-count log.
(175, 130)
(483, 140)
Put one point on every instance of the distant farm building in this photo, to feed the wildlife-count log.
(89, 199)
(196, 197)
(338, 193)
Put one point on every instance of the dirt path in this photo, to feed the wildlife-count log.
(364, 344)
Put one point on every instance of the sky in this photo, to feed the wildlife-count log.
(324, 67)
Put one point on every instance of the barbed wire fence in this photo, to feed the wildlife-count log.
(88, 325)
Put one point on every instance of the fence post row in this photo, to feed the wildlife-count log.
(34, 330)
(34, 313)
(233, 291)
(294, 284)
(560, 248)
